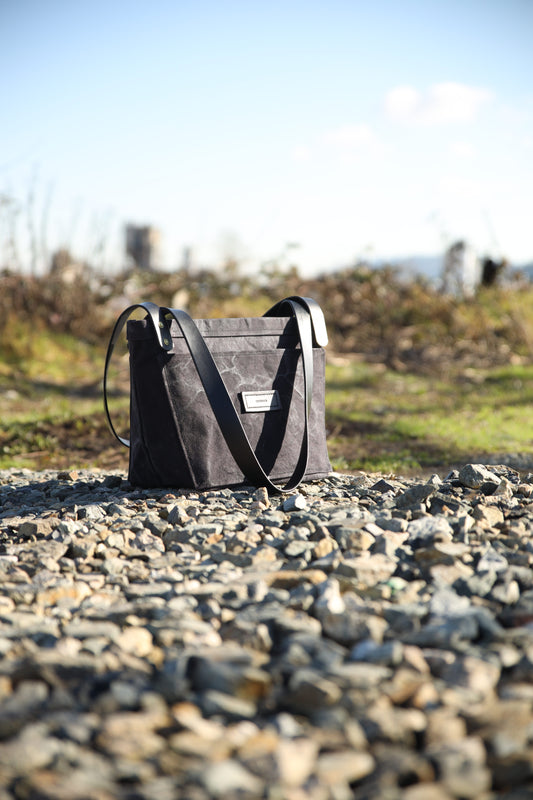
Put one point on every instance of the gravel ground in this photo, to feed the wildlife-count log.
(369, 637)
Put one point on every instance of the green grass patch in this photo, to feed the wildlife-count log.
(51, 412)
(378, 419)
(385, 421)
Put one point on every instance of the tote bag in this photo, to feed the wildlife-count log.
(225, 402)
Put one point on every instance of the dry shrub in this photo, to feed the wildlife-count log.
(65, 306)
(407, 324)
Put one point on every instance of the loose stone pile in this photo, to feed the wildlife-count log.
(370, 637)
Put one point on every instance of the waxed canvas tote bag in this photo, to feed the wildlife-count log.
(225, 402)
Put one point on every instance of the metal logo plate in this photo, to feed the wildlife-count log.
(261, 401)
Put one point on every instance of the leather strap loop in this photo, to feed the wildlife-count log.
(320, 334)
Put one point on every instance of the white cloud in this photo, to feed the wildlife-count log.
(346, 142)
(458, 188)
(462, 149)
(442, 103)
(301, 153)
(351, 142)
(350, 136)
(402, 102)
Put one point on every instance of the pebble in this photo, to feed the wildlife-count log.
(367, 637)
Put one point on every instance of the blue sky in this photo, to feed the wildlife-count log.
(350, 129)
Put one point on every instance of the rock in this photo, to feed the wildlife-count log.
(477, 674)
(368, 571)
(389, 654)
(475, 475)
(369, 638)
(344, 767)
(488, 516)
(294, 502)
(132, 735)
(136, 640)
(296, 760)
(229, 777)
(33, 748)
(429, 530)
(37, 527)
(462, 767)
(416, 494)
(216, 703)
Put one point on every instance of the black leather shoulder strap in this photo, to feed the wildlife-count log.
(153, 312)
(222, 405)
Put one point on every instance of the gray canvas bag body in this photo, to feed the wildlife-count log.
(225, 402)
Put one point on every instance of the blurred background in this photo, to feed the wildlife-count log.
(218, 155)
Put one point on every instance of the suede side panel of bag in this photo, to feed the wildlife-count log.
(157, 456)
(318, 465)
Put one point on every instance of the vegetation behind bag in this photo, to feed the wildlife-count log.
(225, 402)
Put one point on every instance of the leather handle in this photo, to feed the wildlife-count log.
(153, 312)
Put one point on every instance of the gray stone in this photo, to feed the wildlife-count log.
(374, 643)
(475, 475)
(416, 494)
(308, 691)
(344, 767)
(492, 561)
(294, 502)
(214, 703)
(463, 768)
(430, 529)
(230, 778)
(151, 589)
(446, 603)
(389, 653)
(85, 629)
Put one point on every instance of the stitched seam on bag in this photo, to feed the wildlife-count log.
(178, 430)
(237, 332)
(224, 353)
(241, 335)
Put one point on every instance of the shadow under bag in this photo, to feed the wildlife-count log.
(225, 402)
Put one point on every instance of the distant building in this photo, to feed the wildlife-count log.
(142, 243)
(461, 273)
